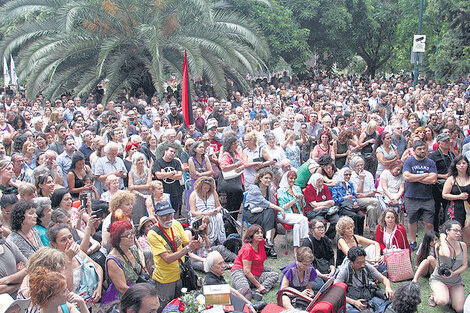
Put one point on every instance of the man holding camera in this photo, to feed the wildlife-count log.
(363, 294)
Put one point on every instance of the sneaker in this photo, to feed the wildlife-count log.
(272, 253)
(256, 295)
(413, 246)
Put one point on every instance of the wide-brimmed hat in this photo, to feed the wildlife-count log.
(145, 219)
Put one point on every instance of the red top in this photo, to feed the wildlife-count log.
(248, 253)
(400, 240)
(310, 195)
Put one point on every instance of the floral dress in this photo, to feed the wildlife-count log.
(293, 154)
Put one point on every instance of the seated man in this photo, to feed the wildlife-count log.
(12, 263)
(362, 292)
(364, 185)
(214, 266)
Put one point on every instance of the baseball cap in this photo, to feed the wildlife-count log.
(442, 137)
(212, 123)
(163, 208)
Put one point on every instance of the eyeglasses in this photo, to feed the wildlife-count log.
(320, 227)
(457, 231)
(128, 235)
(347, 174)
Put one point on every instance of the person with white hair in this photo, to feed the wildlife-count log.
(170, 138)
(214, 266)
(110, 164)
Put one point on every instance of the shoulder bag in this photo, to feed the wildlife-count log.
(188, 275)
(398, 263)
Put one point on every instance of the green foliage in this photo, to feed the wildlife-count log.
(286, 38)
(73, 45)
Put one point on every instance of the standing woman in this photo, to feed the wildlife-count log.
(199, 164)
(152, 144)
(254, 157)
(457, 190)
(291, 148)
(131, 148)
(231, 161)
(29, 156)
(386, 152)
(366, 144)
(343, 147)
(76, 175)
(323, 146)
(23, 234)
(259, 209)
(451, 254)
(140, 178)
(205, 201)
(429, 139)
(292, 201)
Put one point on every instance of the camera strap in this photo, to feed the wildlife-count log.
(124, 256)
(454, 257)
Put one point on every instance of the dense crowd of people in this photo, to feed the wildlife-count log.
(98, 198)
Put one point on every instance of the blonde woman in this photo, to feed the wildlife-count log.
(366, 144)
(254, 157)
(28, 150)
(140, 177)
(204, 200)
(156, 195)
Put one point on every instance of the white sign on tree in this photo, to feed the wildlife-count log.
(419, 43)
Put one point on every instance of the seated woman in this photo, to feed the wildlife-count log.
(205, 201)
(23, 234)
(124, 262)
(447, 285)
(324, 256)
(347, 240)
(49, 292)
(61, 198)
(49, 258)
(291, 200)
(43, 211)
(345, 197)
(112, 184)
(426, 255)
(120, 208)
(299, 275)
(327, 169)
(146, 223)
(391, 235)
(61, 238)
(392, 186)
(248, 269)
(156, 195)
(259, 209)
(319, 201)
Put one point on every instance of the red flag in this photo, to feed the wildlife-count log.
(186, 103)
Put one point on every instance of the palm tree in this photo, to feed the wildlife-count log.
(67, 45)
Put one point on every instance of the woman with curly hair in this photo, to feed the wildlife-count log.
(23, 234)
(120, 208)
(204, 200)
(48, 290)
(343, 147)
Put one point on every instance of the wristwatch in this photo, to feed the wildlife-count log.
(189, 249)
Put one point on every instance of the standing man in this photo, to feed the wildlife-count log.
(168, 170)
(443, 157)
(65, 159)
(169, 246)
(110, 164)
(420, 174)
(58, 146)
(87, 147)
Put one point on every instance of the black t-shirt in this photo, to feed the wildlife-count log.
(442, 161)
(322, 249)
(170, 186)
(212, 279)
(175, 119)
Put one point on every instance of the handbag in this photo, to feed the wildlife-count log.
(88, 278)
(229, 185)
(231, 174)
(142, 277)
(398, 264)
(111, 294)
(188, 275)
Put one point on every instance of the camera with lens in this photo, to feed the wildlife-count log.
(444, 271)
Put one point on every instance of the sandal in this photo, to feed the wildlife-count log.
(431, 301)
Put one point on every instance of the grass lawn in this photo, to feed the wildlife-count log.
(283, 259)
